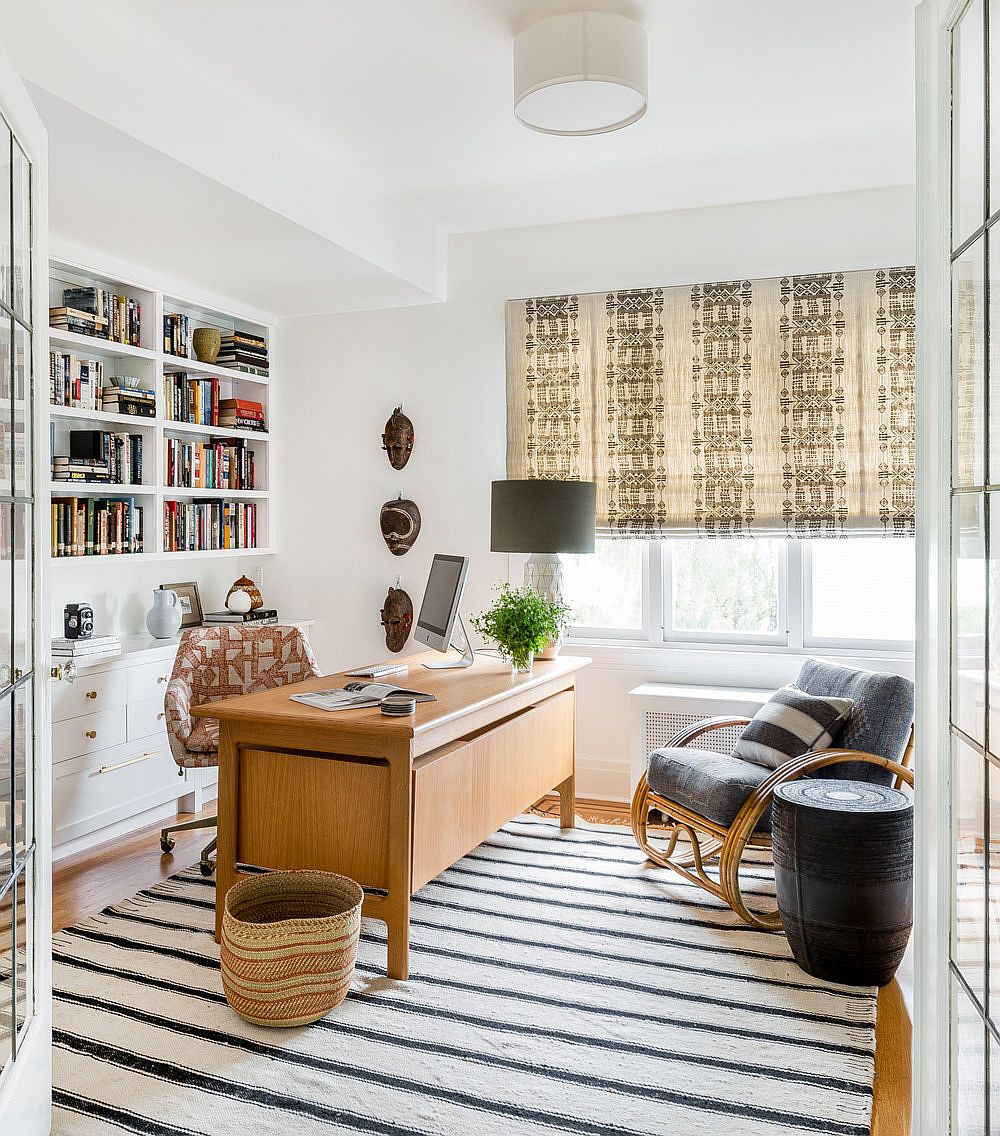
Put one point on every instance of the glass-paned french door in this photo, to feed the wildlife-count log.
(18, 932)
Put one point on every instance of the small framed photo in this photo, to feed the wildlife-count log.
(189, 602)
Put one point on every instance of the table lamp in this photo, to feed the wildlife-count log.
(543, 518)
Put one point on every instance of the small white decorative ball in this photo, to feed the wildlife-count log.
(239, 602)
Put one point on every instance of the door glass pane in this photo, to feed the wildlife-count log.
(968, 1072)
(6, 591)
(993, 905)
(24, 944)
(6, 406)
(22, 412)
(967, 124)
(21, 192)
(23, 804)
(604, 589)
(5, 231)
(726, 585)
(6, 976)
(968, 365)
(968, 615)
(23, 557)
(968, 840)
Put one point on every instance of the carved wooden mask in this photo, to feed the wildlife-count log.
(397, 618)
(397, 441)
(400, 524)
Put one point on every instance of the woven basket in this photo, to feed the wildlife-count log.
(289, 944)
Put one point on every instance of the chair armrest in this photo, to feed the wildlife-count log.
(760, 799)
(177, 715)
(703, 727)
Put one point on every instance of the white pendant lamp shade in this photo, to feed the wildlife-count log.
(580, 73)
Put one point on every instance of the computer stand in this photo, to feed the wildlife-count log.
(468, 654)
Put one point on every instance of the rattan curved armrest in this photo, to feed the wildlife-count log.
(760, 799)
(703, 727)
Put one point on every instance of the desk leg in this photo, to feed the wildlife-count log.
(567, 802)
(225, 856)
(400, 873)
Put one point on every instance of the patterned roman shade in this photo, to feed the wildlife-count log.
(769, 407)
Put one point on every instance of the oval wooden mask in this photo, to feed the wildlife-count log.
(397, 439)
(397, 618)
(400, 524)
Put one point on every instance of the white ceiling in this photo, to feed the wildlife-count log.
(380, 125)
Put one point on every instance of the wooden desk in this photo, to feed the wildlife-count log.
(391, 802)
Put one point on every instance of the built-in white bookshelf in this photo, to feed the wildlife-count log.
(152, 365)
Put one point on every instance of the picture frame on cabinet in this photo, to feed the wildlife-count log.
(189, 601)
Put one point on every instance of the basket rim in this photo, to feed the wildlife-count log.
(248, 882)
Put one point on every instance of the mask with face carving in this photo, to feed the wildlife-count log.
(397, 618)
(397, 441)
(400, 524)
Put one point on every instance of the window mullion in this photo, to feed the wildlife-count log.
(798, 581)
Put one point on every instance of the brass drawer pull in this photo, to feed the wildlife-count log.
(131, 761)
(163, 678)
(91, 693)
(91, 734)
(162, 714)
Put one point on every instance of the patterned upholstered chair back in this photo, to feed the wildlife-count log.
(213, 663)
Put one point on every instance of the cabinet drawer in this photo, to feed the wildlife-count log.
(89, 693)
(88, 733)
(149, 680)
(101, 788)
(465, 791)
(145, 718)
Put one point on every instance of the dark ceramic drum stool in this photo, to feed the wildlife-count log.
(843, 867)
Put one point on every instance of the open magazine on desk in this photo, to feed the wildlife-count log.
(357, 696)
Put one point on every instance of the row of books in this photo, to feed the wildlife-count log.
(74, 381)
(197, 526)
(176, 331)
(96, 311)
(245, 352)
(90, 650)
(89, 526)
(191, 400)
(242, 414)
(100, 456)
(209, 465)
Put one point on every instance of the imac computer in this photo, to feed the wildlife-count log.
(439, 610)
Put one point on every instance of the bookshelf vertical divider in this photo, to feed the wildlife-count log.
(152, 364)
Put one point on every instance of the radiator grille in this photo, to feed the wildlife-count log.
(661, 727)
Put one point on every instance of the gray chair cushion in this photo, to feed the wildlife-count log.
(714, 785)
(880, 721)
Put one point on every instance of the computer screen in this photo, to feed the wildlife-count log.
(441, 599)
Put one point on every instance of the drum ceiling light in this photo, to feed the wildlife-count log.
(580, 73)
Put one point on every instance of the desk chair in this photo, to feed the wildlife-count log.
(721, 804)
(213, 663)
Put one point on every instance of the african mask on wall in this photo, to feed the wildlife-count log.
(400, 524)
(397, 618)
(397, 441)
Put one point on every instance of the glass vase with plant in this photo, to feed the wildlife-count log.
(521, 623)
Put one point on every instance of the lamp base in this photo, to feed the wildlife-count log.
(543, 574)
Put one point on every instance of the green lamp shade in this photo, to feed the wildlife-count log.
(543, 516)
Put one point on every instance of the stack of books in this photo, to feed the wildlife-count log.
(89, 470)
(74, 381)
(77, 321)
(259, 617)
(176, 329)
(242, 351)
(88, 526)
(116, 318)
(242, 414)
(191, 400)
(91, 650)
(129, 400)
(218, 464)
(100, 456)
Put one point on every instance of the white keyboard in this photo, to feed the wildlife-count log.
(379, 670)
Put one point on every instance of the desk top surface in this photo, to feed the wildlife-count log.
(486, 683)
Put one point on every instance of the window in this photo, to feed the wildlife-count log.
(779, 593)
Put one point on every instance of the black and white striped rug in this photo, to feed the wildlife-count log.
(558, 985)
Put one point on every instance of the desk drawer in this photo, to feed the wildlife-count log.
(465, 791)
(149, 680)
(87, 733)
(110, 785)
(145, 718)
(89, 693)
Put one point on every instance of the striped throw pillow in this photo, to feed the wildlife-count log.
(792, 723)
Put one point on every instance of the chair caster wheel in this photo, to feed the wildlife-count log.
(167, 844)
(207, 867)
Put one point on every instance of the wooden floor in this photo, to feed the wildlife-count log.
(83, 884)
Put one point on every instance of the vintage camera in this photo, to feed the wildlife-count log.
(78, 621)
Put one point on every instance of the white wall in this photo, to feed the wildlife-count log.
(445, 362)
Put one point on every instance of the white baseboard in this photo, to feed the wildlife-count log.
(603, 778)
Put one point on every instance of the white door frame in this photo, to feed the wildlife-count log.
(26, 1087)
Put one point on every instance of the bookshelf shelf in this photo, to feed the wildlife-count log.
(154, 367)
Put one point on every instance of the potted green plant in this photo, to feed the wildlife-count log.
(521, 623)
